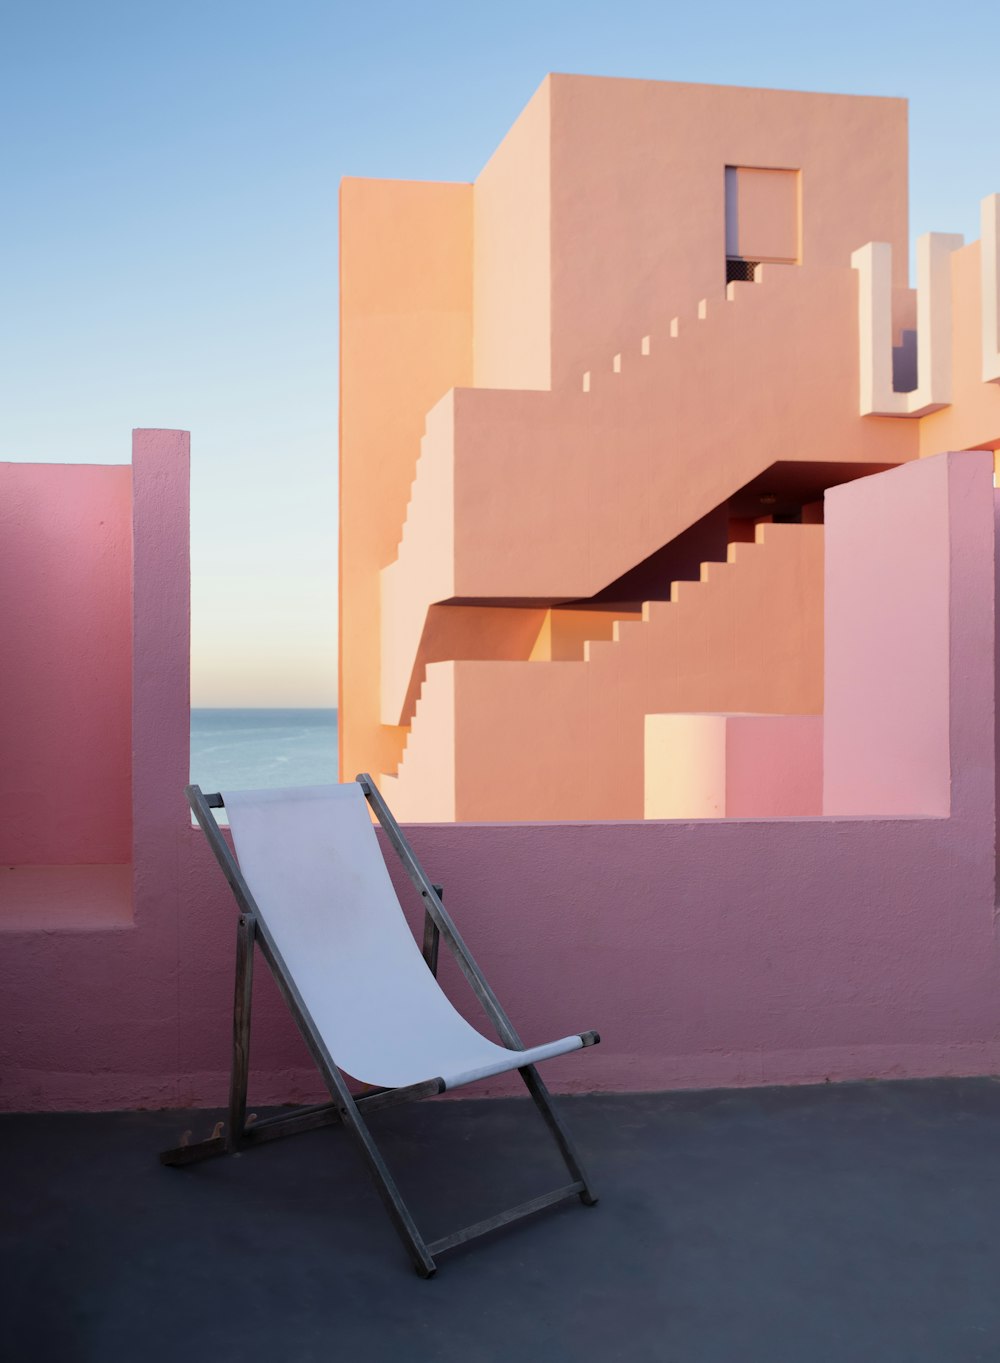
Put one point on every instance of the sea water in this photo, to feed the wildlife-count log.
(257, 749)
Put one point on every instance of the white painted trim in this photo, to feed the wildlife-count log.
(874, 266)
(934, 327)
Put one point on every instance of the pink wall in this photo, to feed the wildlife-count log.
(888, 663)
(65, 577)
(715, 952)
(92, 988)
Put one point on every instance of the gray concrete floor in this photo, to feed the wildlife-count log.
(838, 1224)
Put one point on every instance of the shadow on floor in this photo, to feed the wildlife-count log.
(838, 1224)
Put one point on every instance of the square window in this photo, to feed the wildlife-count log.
(762, 214)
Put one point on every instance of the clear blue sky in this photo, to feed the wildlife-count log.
(168, 238)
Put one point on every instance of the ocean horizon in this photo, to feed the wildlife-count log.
(262, 748)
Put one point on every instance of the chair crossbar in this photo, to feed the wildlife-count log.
(259, 1130)
(518, 1213)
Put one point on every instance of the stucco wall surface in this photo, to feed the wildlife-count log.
(65, 675)
(705, 952)
(589, 258)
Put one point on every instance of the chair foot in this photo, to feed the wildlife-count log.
(191, 1152)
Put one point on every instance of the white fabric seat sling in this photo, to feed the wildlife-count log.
(315, 895)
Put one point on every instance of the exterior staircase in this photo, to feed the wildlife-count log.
(480, 524)
(564, 740)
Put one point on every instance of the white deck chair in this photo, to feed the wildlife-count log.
(315, 895)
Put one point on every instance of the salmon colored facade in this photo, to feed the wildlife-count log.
(591, 405)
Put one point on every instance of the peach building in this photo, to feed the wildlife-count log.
(591, 405)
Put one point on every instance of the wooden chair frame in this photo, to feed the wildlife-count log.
(239, 1134)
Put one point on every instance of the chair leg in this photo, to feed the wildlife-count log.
(242, 999)
(543, 1101)
(399, 1213)
(228, 1137)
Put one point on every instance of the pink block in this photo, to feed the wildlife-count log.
(733, 766)
(774, 765)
